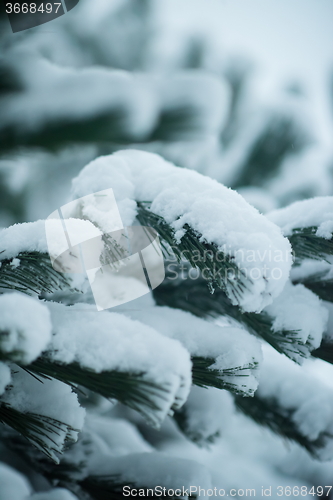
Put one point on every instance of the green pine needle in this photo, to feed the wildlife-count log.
(131, 389)
(39, 430)
(220, 269)
(193, 296)
(280, 138)
(34, 274)
(205, 376)
(306, 245)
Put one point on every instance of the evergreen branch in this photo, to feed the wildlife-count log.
(306, 245)
(181, 123)
(10, 81)
(41, 431)
(108, 126)
(229, 379)
(194, 297)
(220, 269)
(324, 351)
(131, 389)
(62, 473)
(268, 413)
(280, 138)
(34, 273)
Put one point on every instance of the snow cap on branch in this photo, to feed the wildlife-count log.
(316, 212)
(299, 310)
(218, 215)
(25, 327)
(103, 341)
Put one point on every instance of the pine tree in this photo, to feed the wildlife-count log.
(92, 401)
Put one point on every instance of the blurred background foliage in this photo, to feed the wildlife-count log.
(66, 100)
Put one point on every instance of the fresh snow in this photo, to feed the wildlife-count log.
(207, 414)
(311, 267)
(231, 348)
(217, 213)
(298, 309)
(151, 469)
(43, 236)
(103, 341)
(302, 395)
(14, 485)
(117, 436)
(312, 212)
(54, 494)
(25, 327)
(5, 377)
(26, 237)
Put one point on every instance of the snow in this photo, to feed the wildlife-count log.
(47, 237)
(49, 398)
(312, 212)
(300, 394)
(116, 436)
(298, 309)
(103, 341)
(26, 237)
(64, 236)
(207, 413)
(231, 348)
(14, 485)
(219, 214)
(25, 327)
(152, 469)
(310, 267)
(5, 377)
(55, 494)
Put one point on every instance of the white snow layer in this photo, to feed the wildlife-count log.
(298, 309)
(313, 268)
(309, 401)
(5, 376)
(231, 348)
(207, 413)
(55, 494)
(27, 237)
(25, 327)
(312, 212)
(13, 485)
(43, 236)
(49, 398)
(115, 436)
(151, 469)
(219, 214)
(103, 341)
